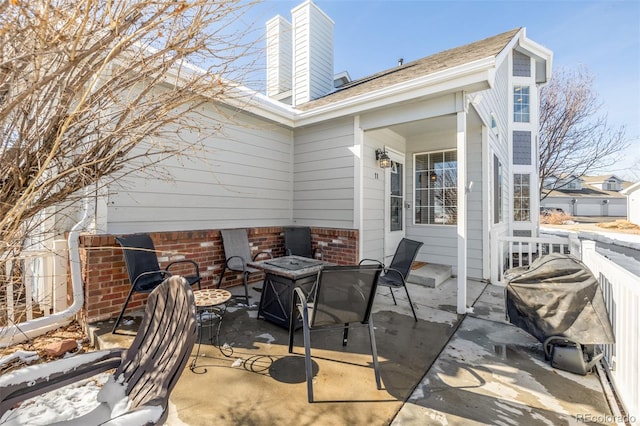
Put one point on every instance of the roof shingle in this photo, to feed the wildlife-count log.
(447, 59)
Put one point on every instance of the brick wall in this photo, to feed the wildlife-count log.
(107, 283)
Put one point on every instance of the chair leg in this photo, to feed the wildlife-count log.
(307, 362)
(292, 321)
(392, 296)
(246, 286)
(345, 334)
(374, 353)
(224, 268)
(410, 303)
(126, 302)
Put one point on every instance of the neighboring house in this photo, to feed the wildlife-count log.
(460, 128)
(633, 202)
(586, 195)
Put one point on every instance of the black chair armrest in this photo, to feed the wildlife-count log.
(34, 380)
(195, 265)
(387, 271)
(164, 272)
(244, 264)
(372, 260)
(263, 252)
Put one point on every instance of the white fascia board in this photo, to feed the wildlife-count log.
(257, 103)
(504, 53)
(477, 75)
(239, 96)
(537, 50)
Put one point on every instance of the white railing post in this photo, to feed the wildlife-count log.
(621, 291)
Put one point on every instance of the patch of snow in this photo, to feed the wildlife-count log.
(237, 363)
(128, 322)
(72, 401)
(268, 337)
(39, 371)
(114, 394)
(26, 357)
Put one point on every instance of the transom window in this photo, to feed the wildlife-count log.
(436, 196)
(521, 104)
(521, 197)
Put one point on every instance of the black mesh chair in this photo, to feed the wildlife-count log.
(144, 270)
(395, 276)
(343, 296)
(297, 242)
(237, 253)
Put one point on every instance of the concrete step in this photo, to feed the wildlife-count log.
(430, 275)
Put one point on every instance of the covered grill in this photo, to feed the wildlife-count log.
(557, 295)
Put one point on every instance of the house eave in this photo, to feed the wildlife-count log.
(259, 104)
(471, 77)
(539, 52)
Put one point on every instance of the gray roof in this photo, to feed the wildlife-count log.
(451, 58)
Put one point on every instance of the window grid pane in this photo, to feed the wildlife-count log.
(521, 197)
(521, 104)
(436, 181)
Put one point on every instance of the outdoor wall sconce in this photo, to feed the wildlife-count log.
(383, 158)
(433, 176)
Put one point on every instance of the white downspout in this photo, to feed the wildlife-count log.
(17, 333)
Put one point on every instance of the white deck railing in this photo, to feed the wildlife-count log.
(521, 251)
(621, 290)
(36, 285)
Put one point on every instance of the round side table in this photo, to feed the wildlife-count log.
(212, 303)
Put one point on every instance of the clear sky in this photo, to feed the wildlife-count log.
(604, 36)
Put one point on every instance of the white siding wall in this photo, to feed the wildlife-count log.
(241, 178)
(324, 175)
(475, 204)
(374, 191)
(494, 103)
(633, 208)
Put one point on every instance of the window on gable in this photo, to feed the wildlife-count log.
(521, 197)
(436, 181)
(573, 184)
(521, 65)
(611, 185)
(521, 104)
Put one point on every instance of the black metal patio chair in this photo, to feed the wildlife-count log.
(343, 297)
(237, 253)
(395, 276)
(146, 373)
(297, 242)
(144, 270)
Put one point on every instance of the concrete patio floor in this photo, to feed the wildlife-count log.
(445, 369)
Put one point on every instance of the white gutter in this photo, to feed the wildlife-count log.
(20, 332)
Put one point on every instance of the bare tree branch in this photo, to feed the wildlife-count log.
(93, 88)
(574, 138)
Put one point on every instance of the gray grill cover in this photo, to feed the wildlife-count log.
(558, 296)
